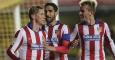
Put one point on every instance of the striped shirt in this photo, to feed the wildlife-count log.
(58, 36)
(27, 45)
(92, 39)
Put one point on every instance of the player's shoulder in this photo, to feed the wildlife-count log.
(21, 29)
(101, 21)
(78, 24)
(62, 24)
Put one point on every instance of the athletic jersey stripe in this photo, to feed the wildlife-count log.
(9, 52)
(43, 36)
(101, 27)
(54, 38)
(111, 44)
(38, 43)
(29, 41)
(59, 32)
(80, 29)
(18, 40)
(92, 43)
(86, 43)
(41, 41)
(34, 50)
(50, 30)
(17, 33)
(16, 45)
(19, 45)
(97, 44)
(60, 41)
(24, 46)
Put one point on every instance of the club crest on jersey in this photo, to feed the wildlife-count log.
(91, 37)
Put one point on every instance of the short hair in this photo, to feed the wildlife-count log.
(53, 5)
(34, 10)
(90, 4)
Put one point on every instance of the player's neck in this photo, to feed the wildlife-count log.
(91, 20)
(53, 22)
(36, 27)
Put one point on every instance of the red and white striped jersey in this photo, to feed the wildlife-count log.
(28, 45)
(59, 37)
(92, 38)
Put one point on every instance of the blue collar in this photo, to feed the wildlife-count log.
(30, 26)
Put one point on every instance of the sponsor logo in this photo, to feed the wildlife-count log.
(91, 37)
(37, 47)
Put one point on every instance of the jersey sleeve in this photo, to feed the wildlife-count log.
(65, 33)
(13, 49)
(65, 40)
(74, 34)
(108, 40)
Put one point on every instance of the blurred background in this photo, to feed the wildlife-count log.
(14, 15)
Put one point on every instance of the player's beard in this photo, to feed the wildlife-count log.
(84, 21)
(49, 20)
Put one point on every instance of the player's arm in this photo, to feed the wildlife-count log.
(12, 50)
(74, 37)
(60, 49)
(108, 40)
(64, 48)
(65, 42)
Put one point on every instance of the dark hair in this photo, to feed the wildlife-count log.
(90, 4)
(53, 5)
(34, 10)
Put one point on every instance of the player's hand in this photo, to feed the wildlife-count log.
(50, 48)
(74, 43)
(46, 47)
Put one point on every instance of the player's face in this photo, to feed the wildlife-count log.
(40, 17)
(50, 14)
(85, 12)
